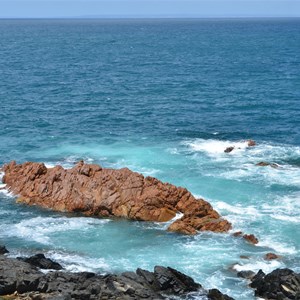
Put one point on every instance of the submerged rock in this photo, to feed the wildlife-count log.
(24, 280)
(265, 164)
(271, 256)
(281, 284)
(96, 191)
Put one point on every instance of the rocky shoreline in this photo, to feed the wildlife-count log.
(25, 278)
(22, 278)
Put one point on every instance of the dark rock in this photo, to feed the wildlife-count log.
(281, 284)
(172, 281)
(215, 294)
(229, 149)
(24, 278)
(17, 276)
(244, 256)
(3, 250)
(246, 274)
(40, 261)
(237, 233)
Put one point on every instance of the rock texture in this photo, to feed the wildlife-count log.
(3, 250)
(281, 284)
(39, 260)
(96, 191)
(25, 281)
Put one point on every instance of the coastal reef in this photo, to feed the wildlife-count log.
(96, 191)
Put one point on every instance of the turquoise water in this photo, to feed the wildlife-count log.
(164, 98)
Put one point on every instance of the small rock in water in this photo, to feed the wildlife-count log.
(229, 149)
(251, 238)
(251, 143)
(265, 164)
(246, 274)
(271, 256)
(237, 233)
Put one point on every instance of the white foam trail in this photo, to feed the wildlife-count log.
(79, 263)
(216, 147)
(279, 247)
(39, 228)
(240, 164)
(287, 218)
(3, 190)
(237, 209)
(265, 266)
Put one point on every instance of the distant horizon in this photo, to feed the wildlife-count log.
(149, 18)
(124, 9)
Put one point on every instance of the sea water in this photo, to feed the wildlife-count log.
(164, 98)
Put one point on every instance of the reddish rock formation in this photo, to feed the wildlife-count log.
(271, 256)
(95, 191)
(251, 238)
(251, 143)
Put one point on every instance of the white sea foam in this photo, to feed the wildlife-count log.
(39, 228)
(279, 247)
(240, 164)
(265, 266)
(79, 263)
(236, 209)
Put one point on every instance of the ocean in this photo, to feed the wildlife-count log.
(163, 98)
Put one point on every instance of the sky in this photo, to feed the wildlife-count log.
(148, 8)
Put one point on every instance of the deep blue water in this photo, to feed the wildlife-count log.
(165, 98)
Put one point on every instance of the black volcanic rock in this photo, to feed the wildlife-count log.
(281, 284)
(3, 250)
(215, 294)
(40, 261)
(24, 277)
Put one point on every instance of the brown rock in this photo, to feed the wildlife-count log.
(250, 238)
(251, 143)
(265, 164)
(96, 191)
(237, 233)
(271, 256)
(229, 149)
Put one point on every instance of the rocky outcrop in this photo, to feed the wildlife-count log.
(26, 281)
(3, 250)
(39, 260)
(281, 284)
(96, 191)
